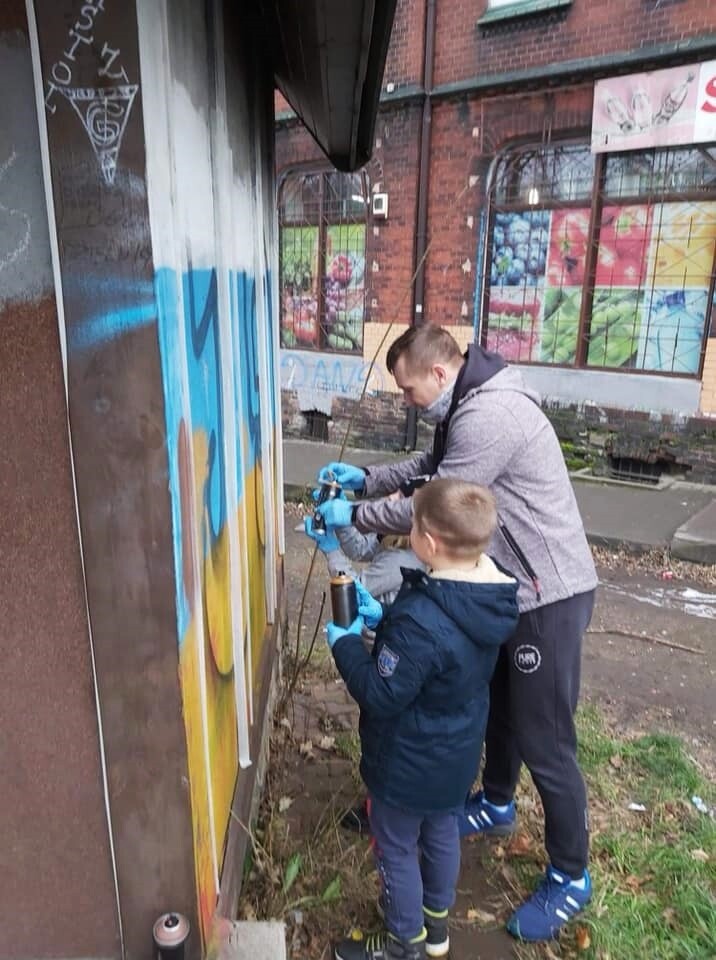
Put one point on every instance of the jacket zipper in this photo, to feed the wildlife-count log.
(523, 561)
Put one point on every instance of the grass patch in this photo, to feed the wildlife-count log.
(653, 871)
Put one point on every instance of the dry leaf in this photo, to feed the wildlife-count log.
(633, 882)
(481, 916)
(700, 855)
(583, 939)
(327, 743)
(284, 803)
(616, 761)
(520, 845)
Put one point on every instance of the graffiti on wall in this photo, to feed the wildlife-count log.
(213, 500)
(103, 109)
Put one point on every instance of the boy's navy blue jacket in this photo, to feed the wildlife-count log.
(423, 692)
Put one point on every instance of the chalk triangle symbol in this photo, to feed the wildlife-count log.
(104, 112)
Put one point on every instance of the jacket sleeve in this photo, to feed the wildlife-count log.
(385, 516)
(386, 693)
(338, 562)
(482, 440)
(357, 545)
(385, 478)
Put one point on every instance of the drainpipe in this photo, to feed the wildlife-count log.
(421, 231)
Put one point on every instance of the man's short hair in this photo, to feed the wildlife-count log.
(462, 515)
(422, 347)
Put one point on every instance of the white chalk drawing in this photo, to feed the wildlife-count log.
(104, 112)
(8, 257)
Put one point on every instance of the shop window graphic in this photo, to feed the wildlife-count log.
(603, 262)
(322, 224)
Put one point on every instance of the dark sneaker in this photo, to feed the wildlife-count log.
(379, 946)
(555, 901)
(437, 940)
(480, 816)
(356, 820)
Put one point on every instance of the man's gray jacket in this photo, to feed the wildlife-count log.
(499, 437)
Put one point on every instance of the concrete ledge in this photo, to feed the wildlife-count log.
(248, 940)
(695, 540)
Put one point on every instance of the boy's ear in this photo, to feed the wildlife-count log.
(432, 543)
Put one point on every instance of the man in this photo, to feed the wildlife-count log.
(490, 430)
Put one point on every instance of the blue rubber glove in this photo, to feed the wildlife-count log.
(327, 541)
(368, 607)
(337, 513)
(349, 477)
(333, 632)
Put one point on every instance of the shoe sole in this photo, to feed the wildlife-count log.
(438, 949)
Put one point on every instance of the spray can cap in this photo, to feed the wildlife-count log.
(170, 930)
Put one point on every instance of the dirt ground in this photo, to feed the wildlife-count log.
(649, 664)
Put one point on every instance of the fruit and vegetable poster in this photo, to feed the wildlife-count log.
(299, 287)
(652, 277)
(662, 108)
(342, 281)
(344, 287)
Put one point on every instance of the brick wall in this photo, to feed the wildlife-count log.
(684, 446)
(584, 29)
(404, 64)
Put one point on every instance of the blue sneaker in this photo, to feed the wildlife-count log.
(555, 901)
(480, 816)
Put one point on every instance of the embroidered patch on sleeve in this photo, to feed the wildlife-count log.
(387, 662)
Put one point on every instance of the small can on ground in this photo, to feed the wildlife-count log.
(170, 933)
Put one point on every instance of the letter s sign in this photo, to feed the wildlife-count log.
(709, 104)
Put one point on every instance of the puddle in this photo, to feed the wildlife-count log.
(686, 600)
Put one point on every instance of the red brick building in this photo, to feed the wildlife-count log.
(545, 170)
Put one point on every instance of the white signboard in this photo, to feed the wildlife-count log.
(663, 108)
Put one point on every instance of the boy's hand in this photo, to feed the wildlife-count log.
(333, 632)
(368, 607)
(349, 477)
(327, 541)
(337, 513)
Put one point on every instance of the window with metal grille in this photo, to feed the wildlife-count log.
(603, 261)
(322, 223)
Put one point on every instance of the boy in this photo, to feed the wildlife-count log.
(423, 697)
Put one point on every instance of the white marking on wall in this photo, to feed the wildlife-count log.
(8, 257)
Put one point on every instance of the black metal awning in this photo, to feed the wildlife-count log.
(328, 58)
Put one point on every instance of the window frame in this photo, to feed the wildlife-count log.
(596, 203)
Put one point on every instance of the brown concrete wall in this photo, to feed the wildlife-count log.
(56, 879)
(93, 112)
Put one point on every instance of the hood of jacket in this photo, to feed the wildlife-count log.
(482, 371)
(485, 612)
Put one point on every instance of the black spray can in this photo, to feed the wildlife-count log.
(170, 933)
(330, 489)
(344, 600)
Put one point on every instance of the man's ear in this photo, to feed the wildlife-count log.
(440, 372)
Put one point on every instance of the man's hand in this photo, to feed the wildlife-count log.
(333, 632)
(349, 477)
(327, 540)
(337, 513)
(368, 607)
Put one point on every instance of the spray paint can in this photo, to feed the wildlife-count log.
(344, 600)
(330, 489)
(170, 933)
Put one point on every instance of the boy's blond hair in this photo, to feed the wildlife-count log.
(462, 515)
